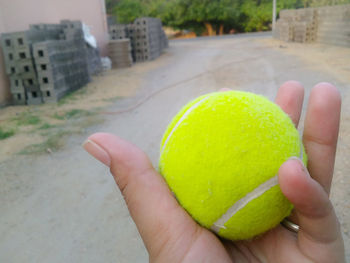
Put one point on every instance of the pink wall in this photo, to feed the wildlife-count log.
(17, 15)
(4, 83)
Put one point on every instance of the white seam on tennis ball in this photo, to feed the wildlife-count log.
(183, 118)
(260, 190)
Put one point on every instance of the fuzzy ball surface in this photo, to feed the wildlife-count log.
(220, 156)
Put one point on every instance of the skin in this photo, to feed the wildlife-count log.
(171, 235)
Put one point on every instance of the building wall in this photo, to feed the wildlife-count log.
(17, 15)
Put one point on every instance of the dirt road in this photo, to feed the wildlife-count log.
(65, 207)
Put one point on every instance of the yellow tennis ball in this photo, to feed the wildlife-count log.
(220, 156)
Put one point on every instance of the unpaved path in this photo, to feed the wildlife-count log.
(65, 207)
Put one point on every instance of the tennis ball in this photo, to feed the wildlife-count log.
(220, 156)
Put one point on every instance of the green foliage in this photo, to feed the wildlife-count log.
(128, 10)
(241, 15)
(27, 118)
(46, 126)
(317, 3)
(72, 114)
(5, 133)
(53, 142)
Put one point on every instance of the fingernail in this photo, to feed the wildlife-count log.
(97, 151)
(301, 165)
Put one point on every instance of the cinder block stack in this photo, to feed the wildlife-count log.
(284, 26)
(131, 35)
(118, 31)
(147, 38)
(305, 26)
(61, 67)
(120, 53)
(334, 25)
(19, 63)
(297, 25)
(329, 25)
(47, 61)
(73, 30)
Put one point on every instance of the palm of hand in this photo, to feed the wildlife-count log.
(171, 235)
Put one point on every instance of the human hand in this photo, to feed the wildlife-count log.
(171, 235)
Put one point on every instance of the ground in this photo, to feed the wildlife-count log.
(60, 205)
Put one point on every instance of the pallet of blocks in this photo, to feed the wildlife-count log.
(120, 53)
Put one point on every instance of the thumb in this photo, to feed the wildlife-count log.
(319, 236)
(152, 206)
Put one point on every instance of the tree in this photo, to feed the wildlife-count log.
(128, 10)
(110, 5)
(316, 3)
(209, 14)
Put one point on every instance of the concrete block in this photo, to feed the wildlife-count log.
(46, 79)
(12, 69)
(34, 97)
(7, 41)
(22, 53)
(26, 66)
(29, 81)
(16, 85)
(53, 95)
(19, 98)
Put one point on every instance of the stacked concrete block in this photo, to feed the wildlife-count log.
(73, 30)
(148, 39)
(48, 61)
(93, 60)
(61, 67)
(334, 25)
(17, 49)
(118, 31)
(284, 31)
(329, 24)
(297, 25)
(305, 26)
(120, 53)
(131, 35)
(47, 31)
